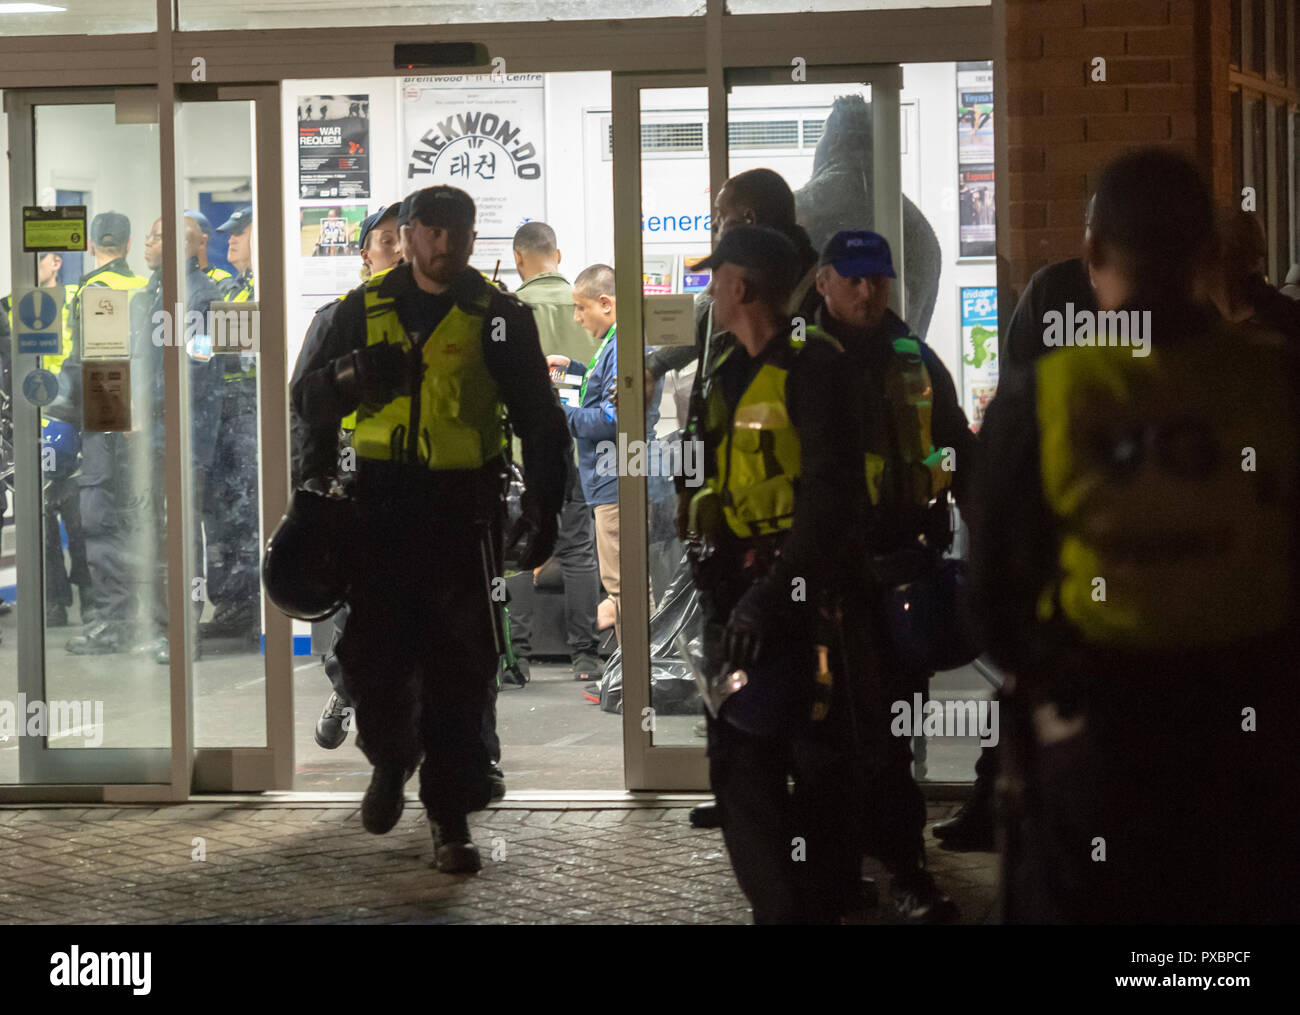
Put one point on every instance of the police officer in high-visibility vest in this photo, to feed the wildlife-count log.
(204, 225)
(231, 503)
(781, 504)
(105, 480)
(1136, 553)
(316, 449)
(148, 339)
(431, 355)
(919, 448)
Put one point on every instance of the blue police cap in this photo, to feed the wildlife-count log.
(201, 220)
(110, 229)
(238, 222)
(370, 221)
(858, 253)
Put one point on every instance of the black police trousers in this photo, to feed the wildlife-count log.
(418, 656)
(795, 854)
(893, 805)
(1161, 791)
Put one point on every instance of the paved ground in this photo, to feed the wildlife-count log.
(313, 863)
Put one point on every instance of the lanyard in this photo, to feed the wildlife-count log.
(582, 391)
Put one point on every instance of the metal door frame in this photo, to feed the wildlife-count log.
(171, 773)
(646, 766)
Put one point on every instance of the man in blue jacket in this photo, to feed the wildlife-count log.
(594, 420)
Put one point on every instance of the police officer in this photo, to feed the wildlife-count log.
(217, 275)
(231, 513)
(429, 355)
(316, 449)
(782, 500)
(1135, 550)
(918, 449)
(200, 292)
(105, 480)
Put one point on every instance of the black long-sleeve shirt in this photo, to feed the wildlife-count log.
(516, 365)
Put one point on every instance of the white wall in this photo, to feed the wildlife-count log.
(579, 188)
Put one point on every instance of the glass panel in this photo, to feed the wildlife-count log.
(1280, 10)
(676, 220)
(221, 363)
(1258, 35)
(1258, 177)
(1234, 50)
(77, 17)
(105, 561)
(198, 15)
(1238, 146)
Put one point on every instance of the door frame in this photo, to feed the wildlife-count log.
(173, 773)
(647, 767)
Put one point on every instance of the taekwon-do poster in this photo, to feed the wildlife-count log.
(484, 134)
(333, 146)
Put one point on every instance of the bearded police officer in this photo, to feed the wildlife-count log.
(782, 502)
(429, 355)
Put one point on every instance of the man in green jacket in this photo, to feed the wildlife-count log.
(537, 259)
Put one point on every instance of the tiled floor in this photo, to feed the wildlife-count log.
(313, 863)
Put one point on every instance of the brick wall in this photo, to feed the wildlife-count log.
(1166, 82)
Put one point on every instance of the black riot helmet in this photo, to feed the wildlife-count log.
(305, 570)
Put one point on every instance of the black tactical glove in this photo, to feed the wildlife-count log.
(377, 374)
(752, 619)
(540, 530)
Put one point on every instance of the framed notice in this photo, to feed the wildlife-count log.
(333, 146)
(106, 396)
(46, 230)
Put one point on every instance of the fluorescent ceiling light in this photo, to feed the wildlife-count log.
(30, 9)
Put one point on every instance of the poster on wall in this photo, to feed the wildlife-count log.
(484, 134)
(978, 235)
(975, 158)
(333, 146)
(331, 230)
(979, 350)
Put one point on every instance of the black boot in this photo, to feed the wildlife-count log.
(382, 806)
(497, 778)
(916, 899)
(706, 815)
(971, 828)
(452, 848)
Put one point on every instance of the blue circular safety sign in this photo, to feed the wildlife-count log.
(38, 310)
(40, 387)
